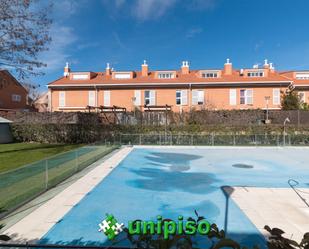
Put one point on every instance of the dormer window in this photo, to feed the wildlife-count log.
(166, 75)
(302, 76)
(80, 76)
(210, 75)
(122, 75)
(255, 74)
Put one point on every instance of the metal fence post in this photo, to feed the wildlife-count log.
(212, 139)
(234, 140)
(76, 160)
(46, 173)
(191, 139)
(140, 139)
(278, 140)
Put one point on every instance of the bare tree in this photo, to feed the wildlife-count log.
(24, 33)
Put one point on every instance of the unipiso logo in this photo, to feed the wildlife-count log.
(111, 228)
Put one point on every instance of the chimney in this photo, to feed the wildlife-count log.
(271, 67)
(108, 71)
(228, 68)
(67, 70)
(266, 65)
(144, 69)
(185, 67)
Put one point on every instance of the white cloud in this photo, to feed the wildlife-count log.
(62, 39)
(193, 32)
(151, 9)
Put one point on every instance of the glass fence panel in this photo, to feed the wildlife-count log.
(24, 183)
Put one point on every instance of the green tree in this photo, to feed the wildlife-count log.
(291, 101)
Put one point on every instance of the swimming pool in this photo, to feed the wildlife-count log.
(177, 181)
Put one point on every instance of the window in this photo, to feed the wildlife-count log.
(276, 96)
(181, 97)
(246, 97)
(16, 98)
(233, 100)
(137, 97)
(122, 76)
(302, 76)
(91, 98)
(166, 75)
(107, 98)
(255, 74)
(61, 99)
(210, 75)
(197, 97)
(150, 97)
(301, 96)
(80, 76)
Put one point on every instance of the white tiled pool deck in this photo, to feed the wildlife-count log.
(32, 227)
(276, 207)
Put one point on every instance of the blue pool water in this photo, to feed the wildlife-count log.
(173, 182)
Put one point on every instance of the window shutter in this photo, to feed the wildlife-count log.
(152, 97)
(194, 97)
(61, 99)
(107, 98)
(276, 96)
(200, 96)
(184, 97)
(249, 99)
(91, 98)
(233, 97)
(137, 96)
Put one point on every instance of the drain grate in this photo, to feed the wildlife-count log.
(242, 166)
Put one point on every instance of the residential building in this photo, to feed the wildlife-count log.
(183, 89)
(41, 103)
(13, 96)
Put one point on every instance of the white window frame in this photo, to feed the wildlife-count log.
(107, 98)
(16, 98)
(302, 76)
(91, 98)
(198, 97)
(120, 76)
(255, 74)
(233, 97)
(247, 96)
(80, 76)
(276, 96)
(137, 97)
(183, 97)
(151, 99)
(166, 75)
(209, 74)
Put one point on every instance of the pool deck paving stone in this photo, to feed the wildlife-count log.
(33, 226)
(275, 207)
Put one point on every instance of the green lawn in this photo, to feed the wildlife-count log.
(18, 154)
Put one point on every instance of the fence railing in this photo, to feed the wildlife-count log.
(22, 184)
(214, 139)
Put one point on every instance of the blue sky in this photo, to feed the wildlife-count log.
(90, 33)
